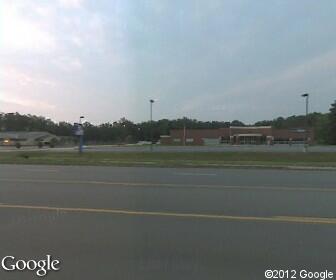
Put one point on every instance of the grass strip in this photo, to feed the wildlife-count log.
(201, 159)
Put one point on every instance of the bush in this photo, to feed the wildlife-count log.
(53, 143)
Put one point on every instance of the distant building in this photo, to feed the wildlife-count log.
(27, 138)
(237, 135)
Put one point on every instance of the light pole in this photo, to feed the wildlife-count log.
(306, 96)
(184, 134)
(151, 101)
(81, 135)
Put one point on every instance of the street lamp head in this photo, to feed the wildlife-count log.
(305, 95)
(81, 117)
(151, 101)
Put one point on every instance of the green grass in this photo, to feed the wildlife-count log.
(173, 159)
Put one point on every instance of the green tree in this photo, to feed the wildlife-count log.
(332, 124)
(321, 126)
(237, 123)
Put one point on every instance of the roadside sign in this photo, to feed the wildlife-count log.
(78, 129)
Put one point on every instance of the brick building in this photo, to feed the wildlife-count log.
(237, 135)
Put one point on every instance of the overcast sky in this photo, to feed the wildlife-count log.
(210, 60)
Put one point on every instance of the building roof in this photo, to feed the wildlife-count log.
(24, 134)
(251, 127)
(249, 135)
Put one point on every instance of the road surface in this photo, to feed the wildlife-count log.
(163, 223)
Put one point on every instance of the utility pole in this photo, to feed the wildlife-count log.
(184, 132)
(81, 135)
(151, 101)
(306, 96)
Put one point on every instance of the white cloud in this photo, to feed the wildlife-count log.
(18, 100)
(312, 75)
(38, 38)
(67, 63)
(70, 3)
(41, 28)
(13, 77)
(92, 32)
(19, 33)
(77, 41)
(25, 92)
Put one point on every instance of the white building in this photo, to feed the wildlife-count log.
(27, 138)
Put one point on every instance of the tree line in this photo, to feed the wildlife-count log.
(126, 131)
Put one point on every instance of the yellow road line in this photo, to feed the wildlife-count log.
(167, 185)
(283, 219)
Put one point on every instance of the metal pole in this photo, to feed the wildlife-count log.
(151, 124)
(81, 137)
(306, 95)
(307, 124)
(151, 111)
(81, 144)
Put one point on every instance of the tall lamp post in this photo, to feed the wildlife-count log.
(151, 101)
(184, 134)
(306, 96)
(81, 135)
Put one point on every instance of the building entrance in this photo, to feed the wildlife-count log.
(248, 139)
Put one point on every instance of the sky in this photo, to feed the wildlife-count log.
(210, 60)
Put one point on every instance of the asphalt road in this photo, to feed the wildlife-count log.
(148, 223)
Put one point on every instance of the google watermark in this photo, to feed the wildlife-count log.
(39, 267)
(299, 274)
